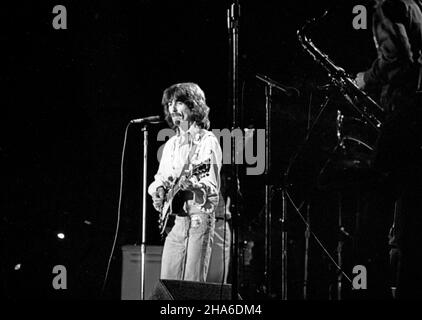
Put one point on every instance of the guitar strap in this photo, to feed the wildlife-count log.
(188, 160)
(180, 199)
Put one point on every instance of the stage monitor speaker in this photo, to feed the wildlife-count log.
(131, 271)
(190, 290)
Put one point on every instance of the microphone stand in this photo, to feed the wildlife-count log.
(144, 208)
(307, 236)
(285, 195)
(308, 231)
(340, 244)
(269, 85)
(233, 20)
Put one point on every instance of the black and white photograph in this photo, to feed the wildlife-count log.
(242, 151)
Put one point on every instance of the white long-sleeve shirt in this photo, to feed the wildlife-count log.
(175, 155)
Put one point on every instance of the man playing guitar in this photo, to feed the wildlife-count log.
(187, 248)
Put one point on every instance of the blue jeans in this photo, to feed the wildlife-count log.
(187, 249)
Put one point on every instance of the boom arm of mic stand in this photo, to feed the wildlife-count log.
(274, 84)
(304, 143)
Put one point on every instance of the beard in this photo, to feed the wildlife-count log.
(181, 120)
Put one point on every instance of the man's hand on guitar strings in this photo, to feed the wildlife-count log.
(185, 184)
(197, 189)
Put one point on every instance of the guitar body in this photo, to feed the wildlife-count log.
(176, 198)
(171, 207)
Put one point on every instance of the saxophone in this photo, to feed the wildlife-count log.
(371, 112)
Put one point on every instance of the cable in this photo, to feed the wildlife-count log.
(118, 209)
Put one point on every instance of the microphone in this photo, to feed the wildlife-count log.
(151, 119)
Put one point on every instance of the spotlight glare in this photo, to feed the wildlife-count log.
(18, 266)
(60, 235)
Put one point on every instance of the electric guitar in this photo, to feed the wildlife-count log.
(197, 171)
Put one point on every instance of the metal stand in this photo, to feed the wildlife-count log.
(233, 19)
(285, 195)
(144, 208)
(307, 236)
(270, 84)
(342, 238)
(267, 210)
(284, 246)
(308, 233)
(340, 248)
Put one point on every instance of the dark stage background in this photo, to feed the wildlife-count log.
(69, 94)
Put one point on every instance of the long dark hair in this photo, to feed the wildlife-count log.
(192, 95)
